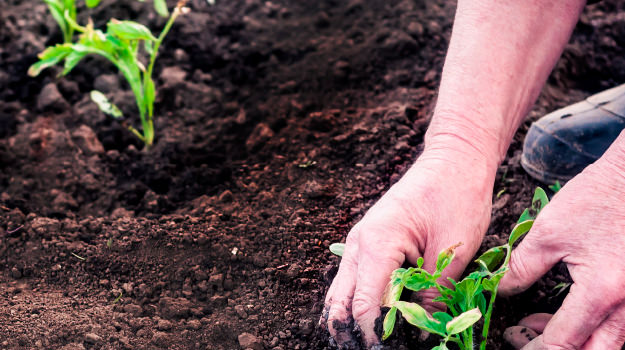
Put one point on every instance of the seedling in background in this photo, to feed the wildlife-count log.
(120, 45)
(556, 187)
(58, 8)
(466, 300)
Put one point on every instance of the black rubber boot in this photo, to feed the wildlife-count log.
(561, 144)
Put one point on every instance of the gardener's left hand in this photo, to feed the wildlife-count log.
(583, 226)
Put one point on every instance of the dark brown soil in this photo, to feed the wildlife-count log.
(279, 123)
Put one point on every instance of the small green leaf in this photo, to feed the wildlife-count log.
(463, 321)
(524, 216)
(392, 292)
(49, 57)
(148, 46)
(445, 257)
(161, 7)
(417, 316)
(492, 283)
(481, 302)
(441, 346)
(442, 317)
(492, 257)
(92, 3)
(420, 262)
(519, 230)
(389, 323)
(419, 281)
(539, 201)
(129, 30)
(105, 105)
(337, 248)
(72, 60)
(555, 187)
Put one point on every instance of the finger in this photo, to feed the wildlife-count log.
(581, 313)
(519, 336)
(528, 328)
(611, 332)
(536, 322)
(337, 312)
(529, 261)
(375, 266)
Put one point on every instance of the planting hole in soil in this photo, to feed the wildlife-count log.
(277, 124)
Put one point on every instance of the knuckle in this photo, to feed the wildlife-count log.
(565, 346)
(363, 305)
(615, 329)
(518, 265)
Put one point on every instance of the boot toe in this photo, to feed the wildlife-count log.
(561, 144)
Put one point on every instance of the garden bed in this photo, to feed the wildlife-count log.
(277, 125)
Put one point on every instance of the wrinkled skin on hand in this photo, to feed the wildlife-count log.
(442, 200)
(583, 226)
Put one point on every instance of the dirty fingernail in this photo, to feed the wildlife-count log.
(519, 336)
(537, 321)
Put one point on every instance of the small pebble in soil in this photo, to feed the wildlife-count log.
(250, 341)
(92, 338)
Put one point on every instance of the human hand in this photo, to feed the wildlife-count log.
(583, 226)
(444, 199)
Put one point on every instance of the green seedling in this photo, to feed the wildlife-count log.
(556, 187)
(468, 300)
(58, 8)
(500, 193)
(120, 45)
(119, 297)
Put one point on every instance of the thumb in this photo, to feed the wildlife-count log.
(529, 261)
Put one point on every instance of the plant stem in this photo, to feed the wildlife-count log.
(489, 313)
(147, 75)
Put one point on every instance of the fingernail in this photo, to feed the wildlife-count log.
(519, 336)
(536, 344)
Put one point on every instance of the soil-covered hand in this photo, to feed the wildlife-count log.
(583, 226)
(444, 199)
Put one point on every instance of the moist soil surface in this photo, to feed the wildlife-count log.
(278, 124)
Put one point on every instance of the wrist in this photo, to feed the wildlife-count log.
(464, 142)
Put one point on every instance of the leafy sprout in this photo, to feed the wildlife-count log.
(58, 8)
(120, 45)
(468, 301)
(555, 187)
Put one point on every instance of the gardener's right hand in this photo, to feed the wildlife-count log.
(444, 199)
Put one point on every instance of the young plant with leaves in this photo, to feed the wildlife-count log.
(467, 300)
(58, 8)
(120, 45)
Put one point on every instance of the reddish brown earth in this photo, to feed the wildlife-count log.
(278, 124)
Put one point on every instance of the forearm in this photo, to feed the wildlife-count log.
(500, 55)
